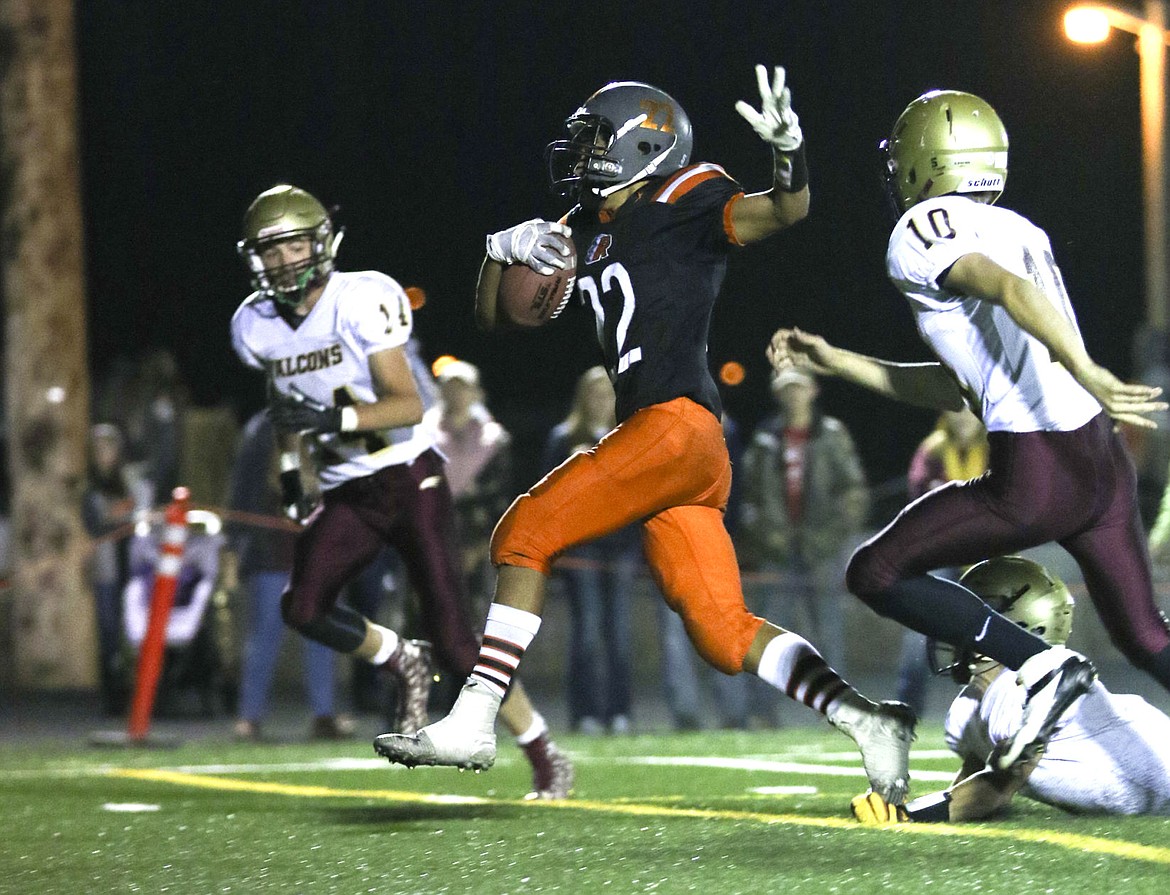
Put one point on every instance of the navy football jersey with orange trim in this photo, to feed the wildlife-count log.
(651, 275)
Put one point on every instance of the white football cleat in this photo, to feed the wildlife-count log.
(466, 738)
(883, 734)
(1053, 681)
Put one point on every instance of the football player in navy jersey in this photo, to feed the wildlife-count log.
(336, 348)
(652, 234)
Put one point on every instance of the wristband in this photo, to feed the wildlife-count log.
(933, 808)
(349, 419)
(791, 173)
(289, 460)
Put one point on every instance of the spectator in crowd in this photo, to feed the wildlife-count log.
(805, 499)
(681, 682)
(111, 497)
(1159, 537)
(956, 451)
(479, 470)
(154, 420)
(259, 560)
(599, 580)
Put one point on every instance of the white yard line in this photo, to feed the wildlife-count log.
(781, 763)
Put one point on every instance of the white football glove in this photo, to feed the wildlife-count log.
(776, 123)
(528, 243)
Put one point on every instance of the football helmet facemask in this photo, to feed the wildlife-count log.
(625, 132)
(284, 213)
(1024, 592)
(946, 141)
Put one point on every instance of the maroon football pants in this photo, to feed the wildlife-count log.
(1075, 488)
(407, 507)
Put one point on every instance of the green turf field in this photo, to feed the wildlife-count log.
(714, 813)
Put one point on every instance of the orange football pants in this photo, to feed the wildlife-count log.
(666, 467)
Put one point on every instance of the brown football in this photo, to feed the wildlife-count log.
(529, 299)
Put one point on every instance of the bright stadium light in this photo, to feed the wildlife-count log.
(1086, 25)
(1092, 23)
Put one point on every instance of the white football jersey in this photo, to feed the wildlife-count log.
(327, 358)
(1009, 377)
(1110, 753)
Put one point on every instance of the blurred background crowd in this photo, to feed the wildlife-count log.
(802, 500)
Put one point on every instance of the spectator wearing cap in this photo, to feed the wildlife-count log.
(804, 501)
(479, 470)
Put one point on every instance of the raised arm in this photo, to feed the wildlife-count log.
(928, 385)
(978, 276)
(759, 215)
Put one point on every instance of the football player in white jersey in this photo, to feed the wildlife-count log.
(1109, 753)
(334, 348)
(988, 299)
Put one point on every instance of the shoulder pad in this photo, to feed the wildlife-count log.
(681, 182)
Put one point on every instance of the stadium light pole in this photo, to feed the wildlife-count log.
(1091, 24)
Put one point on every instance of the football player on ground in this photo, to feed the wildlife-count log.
(652, 233)
(333, 347)
(989, 301)
(1108, 754)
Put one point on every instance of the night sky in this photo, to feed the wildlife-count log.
(426, 129)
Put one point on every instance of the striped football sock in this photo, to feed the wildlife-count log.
(791, 664)
(506, 636)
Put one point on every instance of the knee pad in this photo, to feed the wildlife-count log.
(339, 628)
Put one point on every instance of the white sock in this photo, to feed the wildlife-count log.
(389, 644)
(792, 665)
(535, 729)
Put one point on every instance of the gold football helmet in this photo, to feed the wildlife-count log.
(946, 141)
(282, 213)
(1019, 589)
(1025, 592)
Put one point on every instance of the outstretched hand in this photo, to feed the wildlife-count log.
(1125, 402)
(803, 351)
(775, 122)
